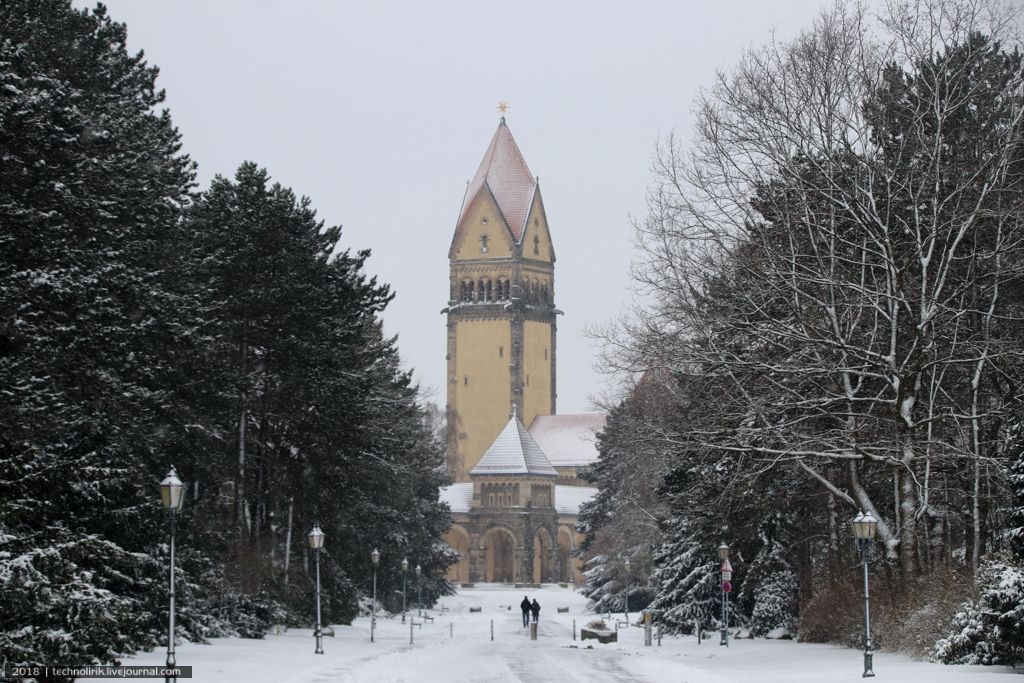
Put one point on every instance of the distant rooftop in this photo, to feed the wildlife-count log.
(514, 452)
(458, 496)
(568, 440)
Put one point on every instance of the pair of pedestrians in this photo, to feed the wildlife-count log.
(529, 608)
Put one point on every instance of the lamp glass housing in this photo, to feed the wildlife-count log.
(172, 491)
(723, 552)
(418, 570)
(316, 538)
(865, 526)
(405, 564)
(375, 556)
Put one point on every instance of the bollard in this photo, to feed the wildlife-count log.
(410, 630)
(492, 630)
(659, 635)
(647, 628)
(574, 629)
(533, 631)
(451, 630)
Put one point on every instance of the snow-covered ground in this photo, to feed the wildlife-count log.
(457, 647)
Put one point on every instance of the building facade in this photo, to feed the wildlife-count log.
(514, 503)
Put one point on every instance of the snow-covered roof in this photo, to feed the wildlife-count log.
(514, 452)
(568, 440)
(458, 496)
(568, 499)
(505, 173)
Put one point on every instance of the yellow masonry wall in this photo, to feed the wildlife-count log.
(536, 393)
(537, 225)
(482, 384)
(499, 244)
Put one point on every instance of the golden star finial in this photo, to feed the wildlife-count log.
(502, 107)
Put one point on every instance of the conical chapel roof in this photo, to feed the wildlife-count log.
(514, 452)
(504, 172)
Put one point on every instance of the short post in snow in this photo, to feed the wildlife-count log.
(647, 628)
(864, 527)
(411, 624)
(726, 570)
(625, 597)
(316, 542)
(419, 605)
(172, 494)
(492, 630)
(405, 574)
(574, 629)
(533, 630)
(375, 557)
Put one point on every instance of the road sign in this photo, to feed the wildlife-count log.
(727, 586)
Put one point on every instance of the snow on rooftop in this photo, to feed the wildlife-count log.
(514, 452)
(458, 496)
(568, 440)
(568, 499)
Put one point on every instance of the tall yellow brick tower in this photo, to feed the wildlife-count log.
(501, 312)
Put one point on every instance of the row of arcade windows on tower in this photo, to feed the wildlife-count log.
(499, 495)
(488, 291)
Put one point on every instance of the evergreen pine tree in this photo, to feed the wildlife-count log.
(91, 184)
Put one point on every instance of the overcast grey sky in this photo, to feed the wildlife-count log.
(381, 111)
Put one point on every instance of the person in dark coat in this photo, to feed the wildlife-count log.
(525, 606)
(535, 608)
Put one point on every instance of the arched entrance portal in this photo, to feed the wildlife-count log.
(566, 562)
(541, 556)
(458, 539)
(500, 547)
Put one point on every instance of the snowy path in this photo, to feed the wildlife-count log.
(457, 648)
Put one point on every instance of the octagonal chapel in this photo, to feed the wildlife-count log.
(518, 490)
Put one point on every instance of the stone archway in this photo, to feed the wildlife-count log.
(566, 568)
(500, 562)
(458, 539)
(542, 545)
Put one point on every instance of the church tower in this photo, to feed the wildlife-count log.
(501, 313)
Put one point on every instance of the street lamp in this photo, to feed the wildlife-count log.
(418, 603)
(405, 573)
(864, 527)
(375, 556)
(625, 602)
(316, 542)
(726, 569)
(172, 493)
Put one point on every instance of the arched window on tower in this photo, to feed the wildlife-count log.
(483, 244)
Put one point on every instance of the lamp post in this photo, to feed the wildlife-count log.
(864, 527)
(405, 574)
(172, 494)
(418, 603)
(625, 601)
(316, 542)
(726, 570)
(375, 556)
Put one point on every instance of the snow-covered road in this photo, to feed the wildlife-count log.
(457, 647)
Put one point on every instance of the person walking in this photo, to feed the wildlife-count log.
(525, 607)
(535, 608)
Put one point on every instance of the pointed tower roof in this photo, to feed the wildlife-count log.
(505, 174)
(514, 452)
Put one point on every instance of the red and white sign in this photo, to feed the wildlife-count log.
(727, 586)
